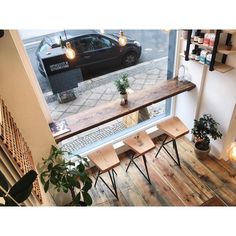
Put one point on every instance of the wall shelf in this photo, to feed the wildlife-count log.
(223, 68)
(229, 31)
(200, 45)
(220, 67)
(222, 50)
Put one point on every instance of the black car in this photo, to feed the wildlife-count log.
(94, 51)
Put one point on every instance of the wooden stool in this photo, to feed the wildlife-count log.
(173, 128)
(106, 159)
(140, 143)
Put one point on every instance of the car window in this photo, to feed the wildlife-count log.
(86, 44)
(101, 42)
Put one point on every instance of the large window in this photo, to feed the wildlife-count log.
(96, 88)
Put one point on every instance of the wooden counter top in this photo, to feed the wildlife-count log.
(99, 115)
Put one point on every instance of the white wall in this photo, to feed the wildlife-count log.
(218, 98)
(20, 90)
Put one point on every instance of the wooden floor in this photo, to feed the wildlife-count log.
(194, 184)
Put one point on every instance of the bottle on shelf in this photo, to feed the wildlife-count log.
(198, 53)
(201, 38)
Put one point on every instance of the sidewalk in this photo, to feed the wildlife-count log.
(101, 90)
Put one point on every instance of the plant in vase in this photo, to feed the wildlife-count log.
(122, 84)
(203, 129)
(66, 177)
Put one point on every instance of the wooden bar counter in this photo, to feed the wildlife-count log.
(110, 111)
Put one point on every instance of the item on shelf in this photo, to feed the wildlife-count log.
(206, 40)
(198, 53)
(185, 34)
(212, 40)
(201, 38)
(229, 46)
(196, 36)
(203, 56)
(208, 58)
(193, 54)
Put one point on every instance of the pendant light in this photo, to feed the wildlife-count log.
(122, 39)
(232, 153)
(70, 53)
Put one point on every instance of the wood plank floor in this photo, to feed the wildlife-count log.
(195, 183)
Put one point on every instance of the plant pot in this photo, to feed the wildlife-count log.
(124, 99)
(201, 154)
(61, 198)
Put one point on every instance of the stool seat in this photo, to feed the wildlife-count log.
(173, 127)
(106, 159)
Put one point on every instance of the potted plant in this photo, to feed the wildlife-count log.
(19, 192)
(66, 177)
(122, 84)
(203, 129)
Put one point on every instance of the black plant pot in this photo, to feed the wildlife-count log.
(201, 154)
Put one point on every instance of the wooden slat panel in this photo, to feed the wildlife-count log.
(110, 111)
(15, 146)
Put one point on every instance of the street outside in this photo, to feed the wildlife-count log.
(154, 45)
(98, 87)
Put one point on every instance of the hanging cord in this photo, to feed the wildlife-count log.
(7, 195)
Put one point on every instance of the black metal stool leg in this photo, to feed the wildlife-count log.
(145, 164)
(113, 181)
(162, 145)
(176, 151)
(114, 171)
(97, 178)
(131, 160)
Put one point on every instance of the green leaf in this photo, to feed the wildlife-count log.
(50, 166)
(81, 167)
(42, 175)
(22, 196)
(87, 186)
(46, 186)
(87, 198)
(76, 201)
(9, 202)
(3, 183)
(23, 185)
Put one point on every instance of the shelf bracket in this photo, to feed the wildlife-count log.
(228, 39)
(188, 45)
(214, 51)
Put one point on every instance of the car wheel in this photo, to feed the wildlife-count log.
(129, 59)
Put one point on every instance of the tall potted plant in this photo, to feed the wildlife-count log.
(65, 177)
(122, 84)
(204, 129)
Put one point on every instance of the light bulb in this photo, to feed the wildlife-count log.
(70, 53)
(122, 39)
(232, 152)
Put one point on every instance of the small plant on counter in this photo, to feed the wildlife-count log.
(122, 84)
(66, 177)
